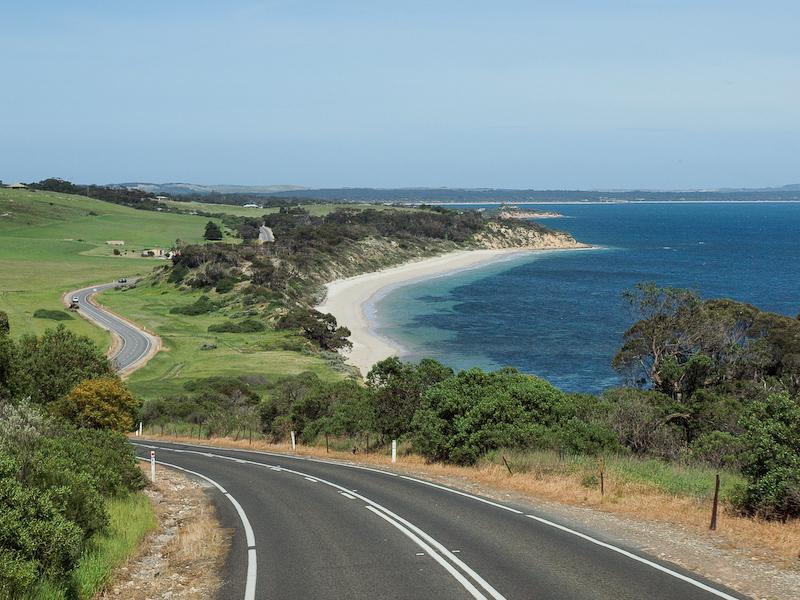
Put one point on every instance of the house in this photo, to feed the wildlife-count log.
(154, 252)
(162, 198)
(115, 242)
(250, 206)
(265, 235)
(17, 186)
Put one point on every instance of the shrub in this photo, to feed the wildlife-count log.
(397, 390)
(771, 461)
(46, 368)
(577, 436)
(225, 285)
(245, 326)
(639, 419)
(102, 403)
(53, 315)
(464, 416)
(35, 537)
(5, 328)
(201, 306)
(718, 449)
(318, 327)
(212, 231)
(177, 273)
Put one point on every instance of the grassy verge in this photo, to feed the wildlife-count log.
(131, 519)
(190, 352)
(622, 473)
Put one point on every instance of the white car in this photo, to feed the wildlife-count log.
(75, 299)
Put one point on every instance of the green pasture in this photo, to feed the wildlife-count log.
(52, 243)
(269, 353)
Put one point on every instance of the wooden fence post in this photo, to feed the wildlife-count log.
(713, 526)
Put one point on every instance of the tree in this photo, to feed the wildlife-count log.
(318, 327)
(772, 457)
(102, 403)
(663, 334)
(397, 390)
(213, 231)
(642, 420)
(464, 416)
(5, 327)
(681, 345)
(46, 368)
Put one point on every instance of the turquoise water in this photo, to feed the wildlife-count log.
(560, 315)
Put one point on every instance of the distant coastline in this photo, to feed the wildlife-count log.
(528, 214)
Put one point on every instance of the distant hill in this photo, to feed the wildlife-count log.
(461, 195)
(443, 195)
(179, 189)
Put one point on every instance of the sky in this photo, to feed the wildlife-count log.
(567, 94)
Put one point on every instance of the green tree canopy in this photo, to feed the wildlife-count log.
(772, 457)
(462, 417)
(397, 389)
(46, 368)
(318, 327)
(212, 232)
(102, 403)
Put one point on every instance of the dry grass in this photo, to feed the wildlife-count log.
(184, 558)
(773, 542)
(200, 544)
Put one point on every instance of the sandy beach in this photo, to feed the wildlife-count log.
(347, 299)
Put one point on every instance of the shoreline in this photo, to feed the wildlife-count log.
(348, 299)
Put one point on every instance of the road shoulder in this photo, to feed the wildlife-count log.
(730, 560)
(185, 557)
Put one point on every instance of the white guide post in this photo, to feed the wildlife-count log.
(139, 433)
(394, 451)
(294, 445)
(152, 465)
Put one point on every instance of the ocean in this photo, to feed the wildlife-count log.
(560, 315)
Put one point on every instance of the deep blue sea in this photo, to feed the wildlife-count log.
(560, 315)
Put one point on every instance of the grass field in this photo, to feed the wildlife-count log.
(240, 211)
(51, 243)
(268, 354)
(131, 519)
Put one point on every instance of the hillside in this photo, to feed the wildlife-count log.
(239, 309)
(51, 243)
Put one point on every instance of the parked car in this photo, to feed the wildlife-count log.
(122, 280)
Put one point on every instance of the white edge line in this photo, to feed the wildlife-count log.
(250, 584)
(460, 493)
(464, 567)
(352, 494)
(432, 553)
(348, 496)
(637, 558)
(631, 555)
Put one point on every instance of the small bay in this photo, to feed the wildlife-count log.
(560, 315)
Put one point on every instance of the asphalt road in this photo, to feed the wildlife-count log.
(306, 529)
(135, 344)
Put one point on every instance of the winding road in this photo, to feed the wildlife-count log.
(134, 345)
(309, 528)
